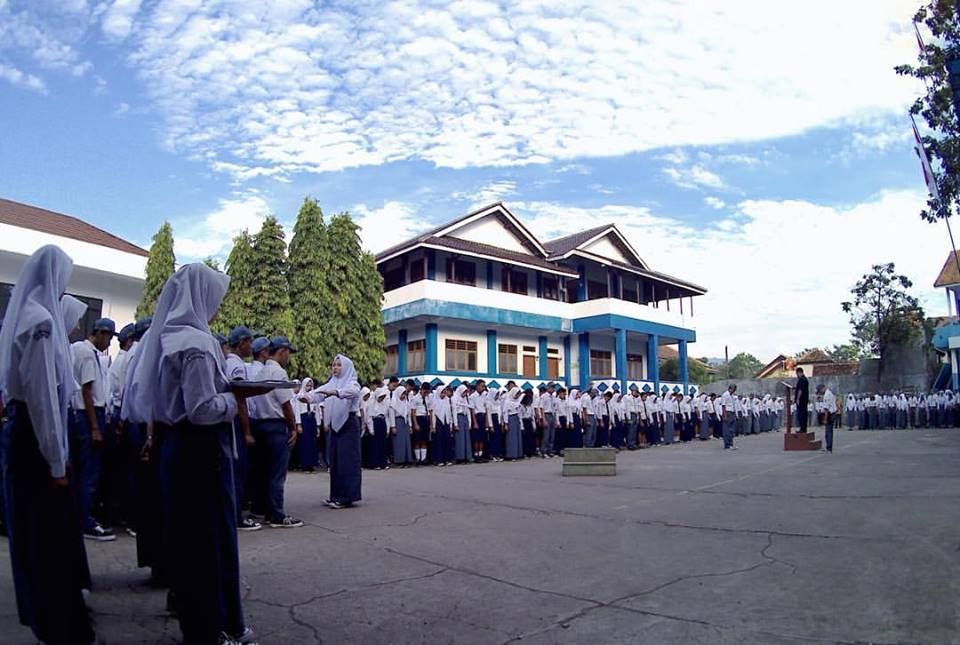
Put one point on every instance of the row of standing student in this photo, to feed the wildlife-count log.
(177, 398)
(900, 411)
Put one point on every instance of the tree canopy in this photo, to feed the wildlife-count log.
(310, 293)
(160, 266)
(696, 371)
(270, 309)
(742, 366)
(238, 302)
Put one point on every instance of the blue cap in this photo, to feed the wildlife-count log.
(220, 338)
(238, 335)
(141, 326)
(126, 332)
(260, 344)
(282, 342)
(105, 324)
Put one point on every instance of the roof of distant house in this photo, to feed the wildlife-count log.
(813, 357)
(45, 221)
(948, 274)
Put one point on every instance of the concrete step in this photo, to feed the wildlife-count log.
(589, 469)
(801, 441)
(586, 462)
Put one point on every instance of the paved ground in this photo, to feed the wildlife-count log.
(688, 544)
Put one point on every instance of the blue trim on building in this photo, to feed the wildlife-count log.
(402, 351)
(475, 313)
(615, 321)
(683, 373)
(492, 350)
(584, 359)
(544, 364)
(431, 333)
(621, 357)
(653, 364)
(566, 359)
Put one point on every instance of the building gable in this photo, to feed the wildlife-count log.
(493, 231)
(605, 247)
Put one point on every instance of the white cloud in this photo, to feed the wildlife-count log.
(492, 192)
(392, 223)
(121, 109)
(292, 87)
(118, 18)
(19, 79)
(212, 235)
(714, 202)
(776, 271)
(694, 177)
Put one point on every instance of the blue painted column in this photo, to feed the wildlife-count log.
(566, 361)
(621, 354)
(431, 264)
(492, 367)
(582, 284)
(402, 353)
(684, 376)
(653, 366)
(543, 358)
(584, 360)
(430, 358)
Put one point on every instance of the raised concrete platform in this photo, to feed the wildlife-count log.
(687, 544)
(589, 462)
(801, 441)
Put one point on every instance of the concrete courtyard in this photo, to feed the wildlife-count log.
(687, 544)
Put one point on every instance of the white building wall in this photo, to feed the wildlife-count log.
(607, 249)
(447, 331)
(489, 230)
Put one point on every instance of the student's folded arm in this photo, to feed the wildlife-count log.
(204, 405)
(350, 392)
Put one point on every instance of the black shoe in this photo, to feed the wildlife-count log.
(99, 534)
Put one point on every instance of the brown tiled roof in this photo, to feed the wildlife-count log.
(563, 245)
(851, 368)
(39, 219)
(948, 274)
(777, 364)
(814, 356)
(457, 244)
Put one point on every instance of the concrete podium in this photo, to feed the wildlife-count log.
(587, 462)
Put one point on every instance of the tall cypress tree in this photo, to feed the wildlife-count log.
(236, 306)
(160, 266)
(309, 293)
(356, 325)
(270, 310)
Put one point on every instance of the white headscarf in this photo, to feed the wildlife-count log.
(41, 282)
(188, 301)
(303, 386)
(340, 409)
(73, 309)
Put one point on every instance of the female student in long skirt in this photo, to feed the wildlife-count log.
(527, 421)
(575, 438)
(513, 436)
(44, 527)
(495, 424)
(441, 446)
(422, 413)
(178, 382)
(341, 398)
(308, 431)
(400, 434)
(561, 438)
(380, 421)
(464, 422)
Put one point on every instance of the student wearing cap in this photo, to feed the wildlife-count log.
(87, 421)
(275, 431)
(36, 379)
(240, 342)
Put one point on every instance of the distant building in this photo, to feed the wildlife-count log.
(108, 271)
(815, 362)
(946, 337)
(482, 297)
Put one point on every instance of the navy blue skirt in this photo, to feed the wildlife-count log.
(344, 456)
(307, 442)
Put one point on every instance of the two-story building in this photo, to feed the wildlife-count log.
(482, 297)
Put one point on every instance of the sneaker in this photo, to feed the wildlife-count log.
(339, 505)
(287, 522)
(247, 524)
(99, 534)
(131, 532)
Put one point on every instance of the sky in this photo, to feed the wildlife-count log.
(760, 149)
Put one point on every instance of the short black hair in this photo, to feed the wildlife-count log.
(394, 379)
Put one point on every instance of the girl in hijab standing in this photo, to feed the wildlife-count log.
(341, 397)
(400, 410)
(463, 425)
(36, 378)
(381, 422)
(307, 432)
(511, 409)
(495, 414)
(178, 382)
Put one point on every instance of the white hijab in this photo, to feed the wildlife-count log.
(41, 283)
(340, 409)
(188, 301)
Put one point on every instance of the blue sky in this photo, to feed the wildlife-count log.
(756, 148)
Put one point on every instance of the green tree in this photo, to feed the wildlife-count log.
(309, 292)
(270, 308)
(238, 302)
(212, 263)
(160, 265)
(845, 352)
(936, 106)
(696, 371)
(743, 365)
(882, 313)
(356, 290)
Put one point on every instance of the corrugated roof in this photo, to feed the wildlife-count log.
(948, 274)
(567, 243)
(40, 219)
(815, 355)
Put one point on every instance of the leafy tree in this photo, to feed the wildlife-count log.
(882, 313)
(845, 352)
(238, 302)
(696, 371)
(212, 263)
(743, 365)
(270, 308)
(309, 292)
(356, 290)
(160, 265)
(937, 105)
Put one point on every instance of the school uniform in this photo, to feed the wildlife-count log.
(829, 406)
(669, 410)
(562, 438)
(478, 434)
(47, 556)
(514, 435)
(306, 415)
(588, 419)
(462, 426)
(686, 430)
(421, 406)
(728, 414)
(851, 411)
(631, 410)
(237, 370)
(441, 446)
(706, 414)
(495, 426)
(179, 383)
(272, 432)
(88, 368)
(528, 440)
(575, 436)
(378, 423)
(400, 412)
(604, 418)
(548, 406)
(342, 413)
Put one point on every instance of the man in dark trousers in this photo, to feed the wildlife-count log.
(801, 396)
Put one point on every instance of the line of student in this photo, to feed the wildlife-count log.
(901, 411)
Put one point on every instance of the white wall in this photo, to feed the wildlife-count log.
(489, 230)
(23, 241)
(607, 249)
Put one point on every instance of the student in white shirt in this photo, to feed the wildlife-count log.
(400, 413)
(588, 418)
(441, 446)
(728, 415)
(479, 435)
(463, 423)
(422, 413)
(575, 436)
(379, 423)
(548, 407)
(308, 424)
(829, 407)
(513, 448)
(496, 424)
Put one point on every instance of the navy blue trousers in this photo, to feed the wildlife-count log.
(344, 456)
(378, 447)
(495, 437)
(307, 444)
(271, 436)
(85, 460)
